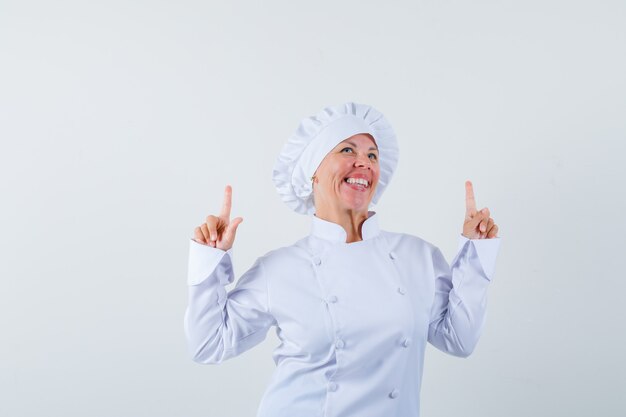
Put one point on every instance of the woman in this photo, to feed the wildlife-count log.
(353, 305)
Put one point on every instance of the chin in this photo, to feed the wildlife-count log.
(355, 201)
(357, 204)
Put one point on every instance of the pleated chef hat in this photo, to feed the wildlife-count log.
(316, 136)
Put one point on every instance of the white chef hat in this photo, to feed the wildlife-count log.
(316, 136)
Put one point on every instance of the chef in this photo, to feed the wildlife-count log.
(353, 305)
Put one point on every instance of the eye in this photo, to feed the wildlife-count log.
(347, 149)
(373, 156)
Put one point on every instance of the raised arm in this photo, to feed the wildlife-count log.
(220, 325)
(459, 307)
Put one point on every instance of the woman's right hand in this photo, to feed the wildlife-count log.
(219, 231)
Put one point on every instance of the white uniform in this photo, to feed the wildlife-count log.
(353, 319)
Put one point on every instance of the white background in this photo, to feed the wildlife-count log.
(121, 122)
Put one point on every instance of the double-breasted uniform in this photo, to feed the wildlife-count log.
(353, 319)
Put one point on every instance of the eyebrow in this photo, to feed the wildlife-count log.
(373, 148)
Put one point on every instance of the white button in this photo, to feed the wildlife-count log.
(401, 290)
(332, 299)
(394, 393)
(392, 255)
(317, 261)
(333, 386)
(339, 344)
(406, 342)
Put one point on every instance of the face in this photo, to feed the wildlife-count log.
(348, 175)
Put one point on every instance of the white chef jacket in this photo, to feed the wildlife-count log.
(353, 319)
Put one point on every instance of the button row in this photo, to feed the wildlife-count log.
(340, 344)
(333, 386)
(318, 261)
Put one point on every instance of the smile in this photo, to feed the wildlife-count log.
(358, 181)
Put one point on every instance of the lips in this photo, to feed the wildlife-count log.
(357, 181)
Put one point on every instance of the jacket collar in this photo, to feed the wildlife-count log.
(326, 230)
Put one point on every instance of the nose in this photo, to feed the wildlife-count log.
(363, 161)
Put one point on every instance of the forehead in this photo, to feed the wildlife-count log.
(360, 139)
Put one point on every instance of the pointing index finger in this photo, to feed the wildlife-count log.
(470, 202)
(228, 198)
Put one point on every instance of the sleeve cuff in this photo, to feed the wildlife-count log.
(203, 260)
(486, 250)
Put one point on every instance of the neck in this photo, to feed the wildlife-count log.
(350, 220)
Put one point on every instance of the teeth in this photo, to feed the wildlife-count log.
(357, 181)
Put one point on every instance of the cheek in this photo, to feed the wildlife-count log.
(377, 176)
(340, 168)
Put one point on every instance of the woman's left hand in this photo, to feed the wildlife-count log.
(478, 224)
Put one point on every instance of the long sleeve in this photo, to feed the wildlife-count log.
(459, 307)
(221, 325)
